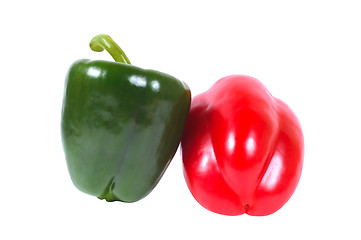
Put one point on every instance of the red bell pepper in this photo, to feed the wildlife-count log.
(242, 148)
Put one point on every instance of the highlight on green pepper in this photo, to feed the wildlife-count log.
(121, 125)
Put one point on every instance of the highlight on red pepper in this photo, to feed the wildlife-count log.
(242, 148)
(121, 125)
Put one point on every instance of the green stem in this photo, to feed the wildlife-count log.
(103, 41)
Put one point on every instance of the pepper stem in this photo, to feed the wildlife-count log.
(103, 41)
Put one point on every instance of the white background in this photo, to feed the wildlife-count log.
(307, 53)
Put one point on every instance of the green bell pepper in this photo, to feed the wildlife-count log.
(121, 125)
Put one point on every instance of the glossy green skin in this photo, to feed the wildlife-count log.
(121, 126)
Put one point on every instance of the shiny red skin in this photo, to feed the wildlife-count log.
(242, 148)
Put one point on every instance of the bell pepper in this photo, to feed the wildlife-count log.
(121, 125)
(242, 148)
